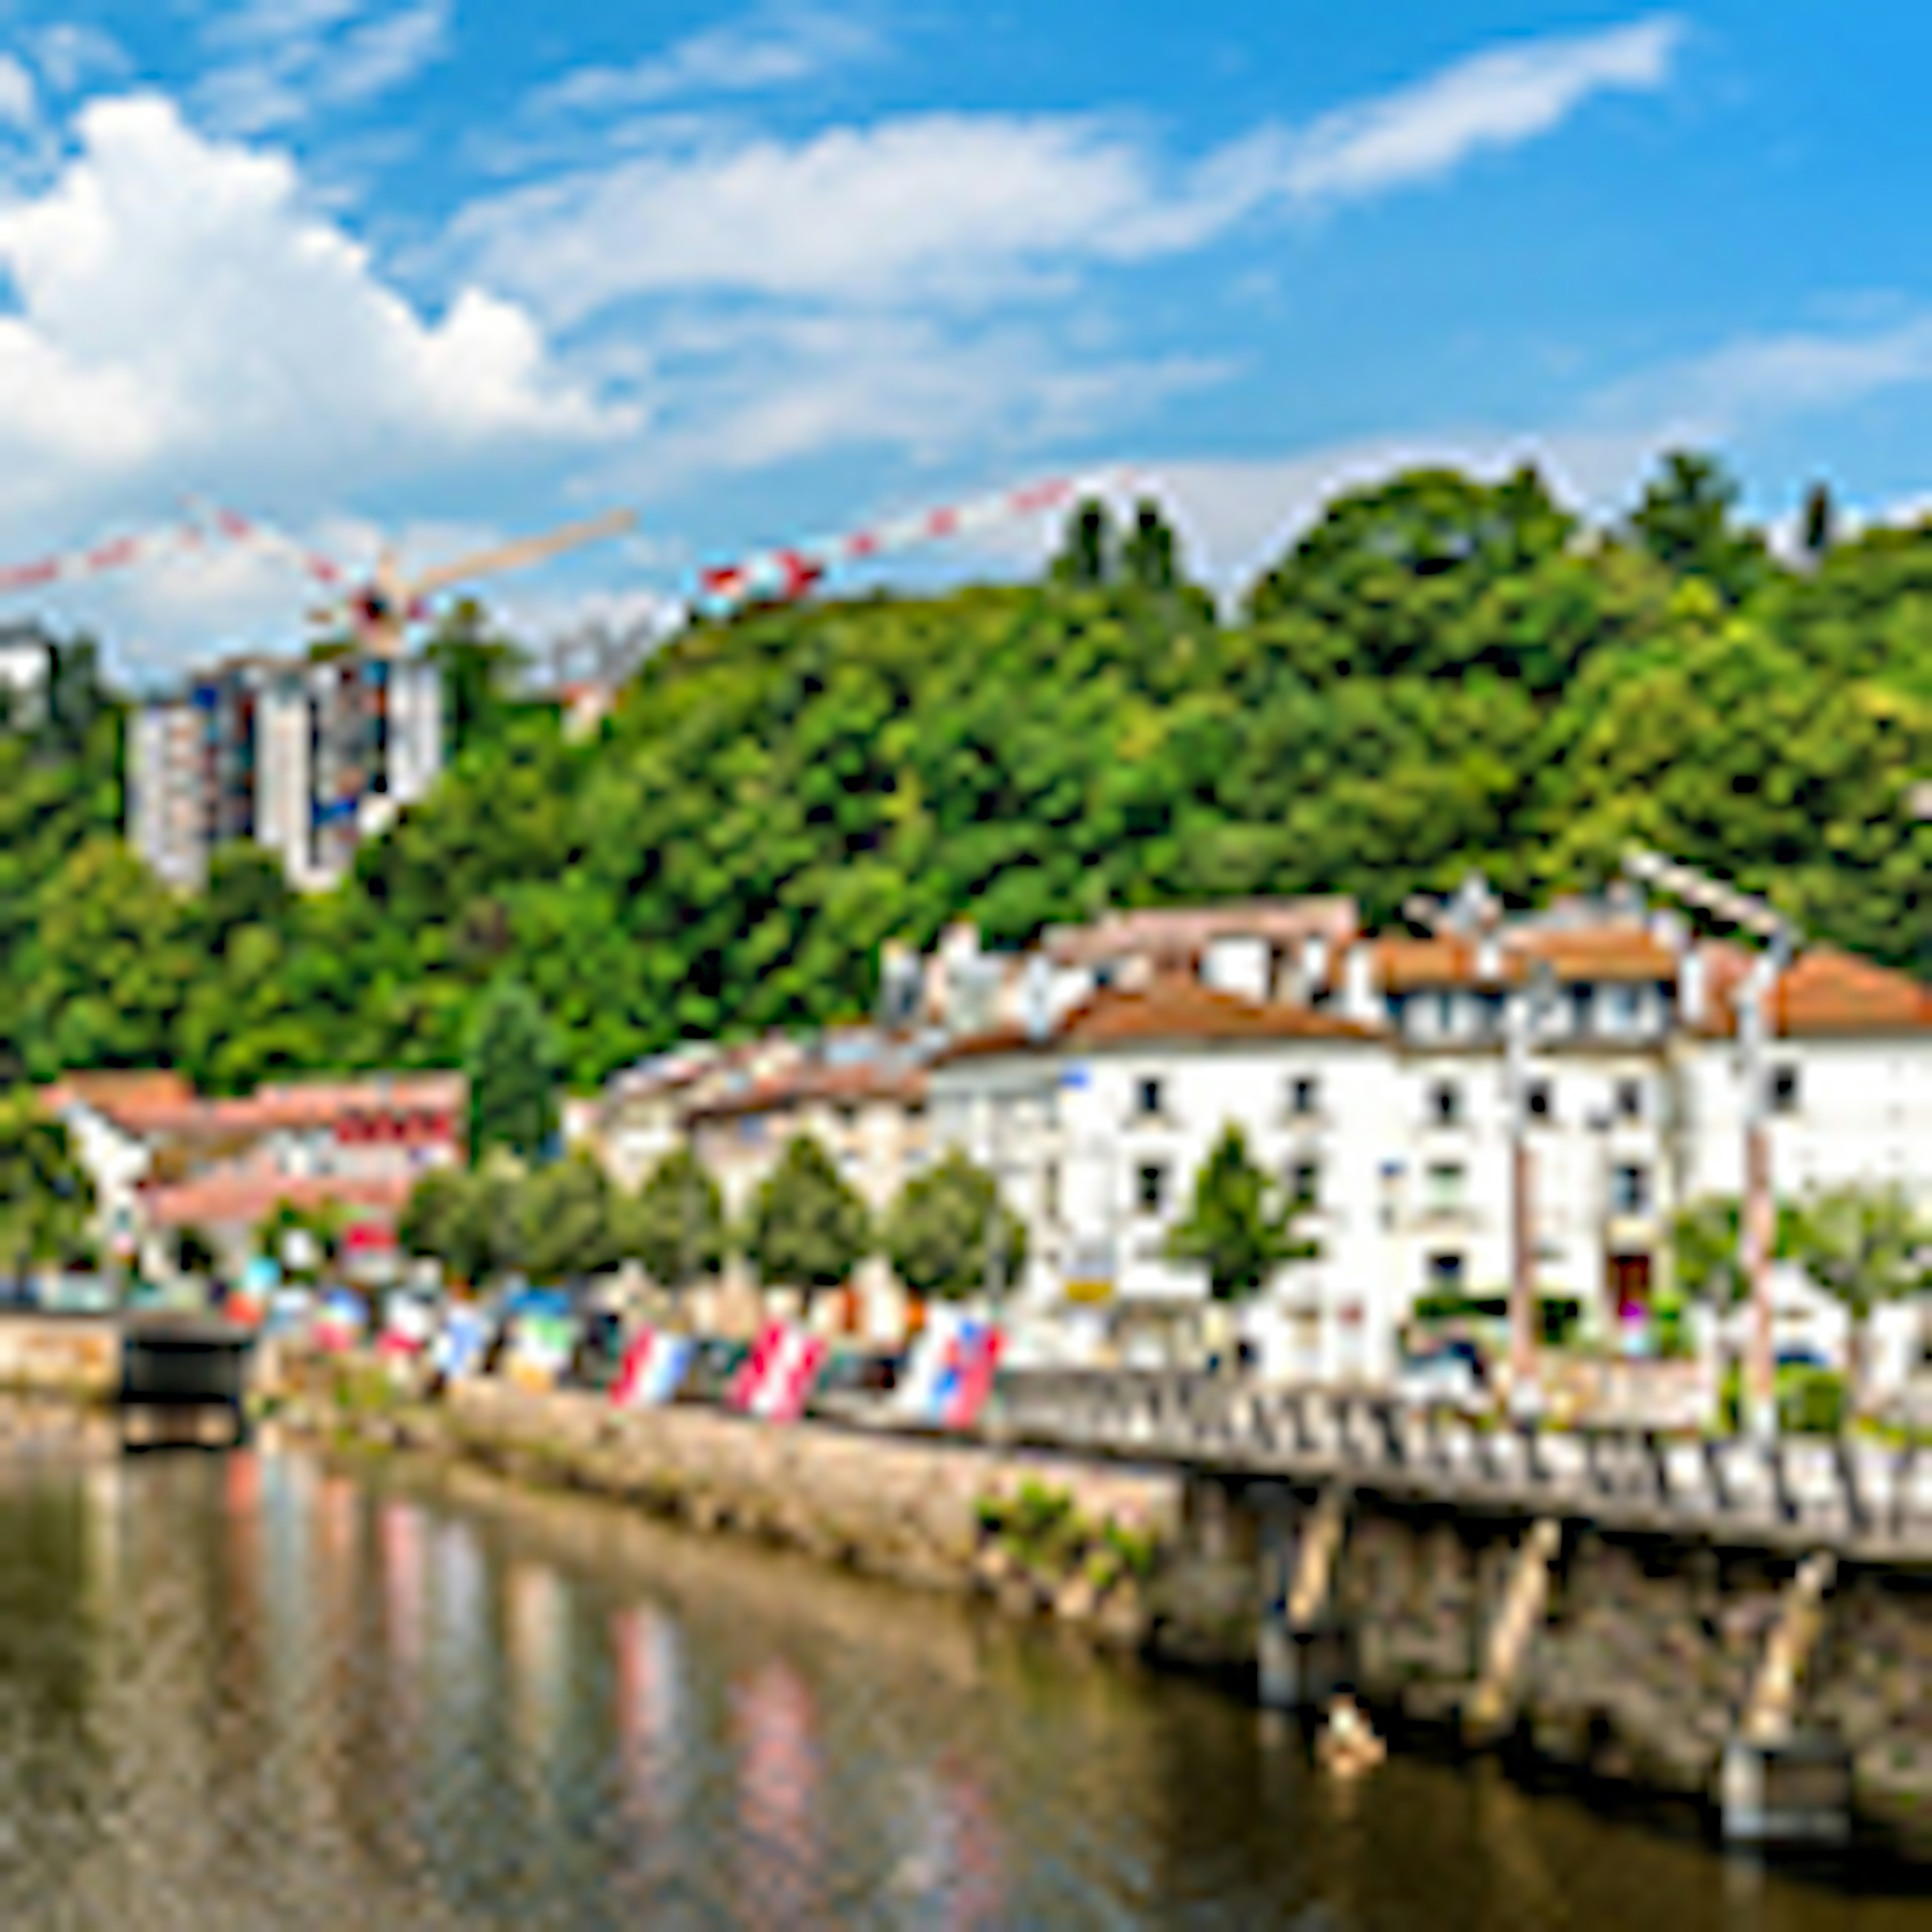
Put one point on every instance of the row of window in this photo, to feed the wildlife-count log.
(1153, 1191)
(1447, 1187)
(1615, 1012)
(1446, 1105)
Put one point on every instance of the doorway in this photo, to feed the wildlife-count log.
(1628, 1285)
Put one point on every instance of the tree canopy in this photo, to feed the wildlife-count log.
(1237, 1228)
(948, 1233)
(807, 1228)
(1440, 671)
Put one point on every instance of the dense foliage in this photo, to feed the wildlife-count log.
(950, 1235)
(46, 1200)
(1239, 1228)
(1439, 673)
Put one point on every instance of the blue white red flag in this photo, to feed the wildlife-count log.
(951, 1373)
(339, 1321)
(462, 1342)
(653, 1366)
(776, 1380)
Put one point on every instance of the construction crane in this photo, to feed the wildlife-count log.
(380, 610)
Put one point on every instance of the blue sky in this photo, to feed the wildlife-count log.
(442, 270)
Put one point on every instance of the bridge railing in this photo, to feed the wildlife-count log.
(1840, 1486)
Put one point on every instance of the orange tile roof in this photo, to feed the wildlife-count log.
(1826, 993)
(1182, 931)
(801, 1086)
(241, 1197)
(1607, 952)
(1177, 1010)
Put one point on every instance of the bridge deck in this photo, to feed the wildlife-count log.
(1870, 1502)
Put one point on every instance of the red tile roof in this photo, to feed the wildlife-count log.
(241, 1197)
(799, 1086)
(1174, 1010)
(1826, 993)
(1182, 931)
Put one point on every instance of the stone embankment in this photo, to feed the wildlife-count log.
(1039, 1534)
(1638, 1650)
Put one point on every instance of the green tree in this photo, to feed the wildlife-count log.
(568, 1220)
(674, 1224)
(948, 1232)
(1150, 557)
(1237, 1228)
(446, 1220)
(1862, 1246)
(289, 1228)
(195, 1251)
(513, 1072)
(1087, 558)
(1685, 521)
(807, 1228)
(479, 671)
(46, 1199)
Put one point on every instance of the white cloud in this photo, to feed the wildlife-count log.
(180, 311)
(775, 46)
(1493, 99)
(946, 206)
(280, 62)
(70, 52)
(19, 100)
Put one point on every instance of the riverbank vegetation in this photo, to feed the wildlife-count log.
(1440, 673)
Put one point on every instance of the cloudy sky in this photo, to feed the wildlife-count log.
(444, 269)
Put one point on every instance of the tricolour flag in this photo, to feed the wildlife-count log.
(462, 1342)
(339, 1321)
(776, 1379)
(950, 1374)
(653, 1367)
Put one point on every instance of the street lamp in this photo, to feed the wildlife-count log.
(1521, 1015)
(1757, 1222)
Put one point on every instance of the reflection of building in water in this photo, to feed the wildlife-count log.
(105, 1499)
(779, 1772)
(399, 1529)
(536, 1623)
(650, 1710)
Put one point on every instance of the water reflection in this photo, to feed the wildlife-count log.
(255, 1692)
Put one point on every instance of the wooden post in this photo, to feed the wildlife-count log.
(1524, 1598)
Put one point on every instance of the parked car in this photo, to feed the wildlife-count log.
(1453, 1374)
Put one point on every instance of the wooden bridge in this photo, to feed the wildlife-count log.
(1863, 1499)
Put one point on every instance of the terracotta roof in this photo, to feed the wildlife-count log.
(1620, 951)
(1187, 930)
(168, 1106)
(1825, 992)
(1174, 1009)
(801, 1086)
(244, 1196)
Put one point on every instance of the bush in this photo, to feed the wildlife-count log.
(1812, 1402)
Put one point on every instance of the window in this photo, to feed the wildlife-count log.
(1541, 1100)
(1784, 1090)
(1151, 1187)
(1049, 1189)
(1629, 1099)
(1445, 1103)
(1146, 1097)
(1304, 1095)
(1630, 1190)
(1623, 1010)
(1445, 1189)
(1304, 1183)
(1445, 1016)
(1580, 1009)
(1445, 1274)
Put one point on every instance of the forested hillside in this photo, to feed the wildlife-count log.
(1441, 674)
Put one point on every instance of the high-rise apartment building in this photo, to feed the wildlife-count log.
(305, 757)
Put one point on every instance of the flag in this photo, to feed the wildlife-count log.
(950, 1374)
(339, 1323)
(461, 1345)
(776, 1379)
(653, 1367)
(540, 1350)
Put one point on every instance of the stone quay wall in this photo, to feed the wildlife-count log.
(70, 1355)
(1637, 1670)
(1639, 1666)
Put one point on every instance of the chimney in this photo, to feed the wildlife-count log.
(1360, 996)
(1488, 957)
(1037, 998)
(1315, 954)
(1694, 986)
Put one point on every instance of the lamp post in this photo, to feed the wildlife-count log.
(1520, 1015)
(1756, 1006)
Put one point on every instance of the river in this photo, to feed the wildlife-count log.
(254, 1690)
